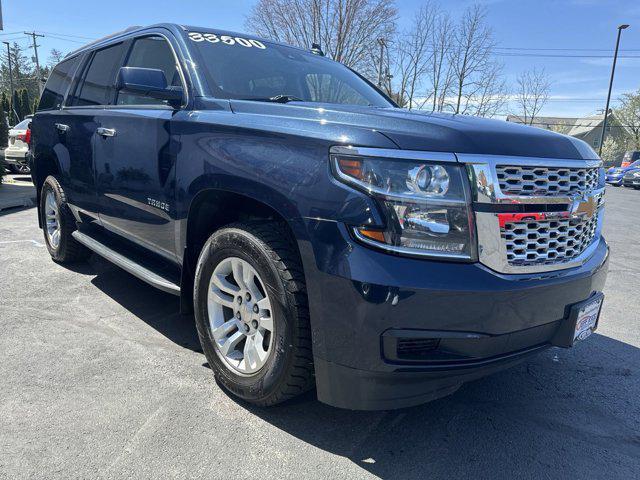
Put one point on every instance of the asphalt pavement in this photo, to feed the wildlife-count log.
(100, 377)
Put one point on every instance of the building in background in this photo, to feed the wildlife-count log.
(588, 129)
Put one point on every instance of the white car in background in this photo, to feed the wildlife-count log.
(15, 154)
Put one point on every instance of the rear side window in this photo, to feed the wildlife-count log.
(151, 52)
(57, 85)
(98, 83)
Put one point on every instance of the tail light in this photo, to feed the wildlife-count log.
(25, 137)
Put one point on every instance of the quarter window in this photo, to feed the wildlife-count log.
(151, 52)
(57, 85)
(99, 81)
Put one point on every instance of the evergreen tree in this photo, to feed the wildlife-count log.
(25, 103)
(4, 134)
(34, 106)
(4, 129)
(4, 102)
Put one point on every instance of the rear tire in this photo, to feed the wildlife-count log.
(20, 169)
(223, 310)
(58, 223)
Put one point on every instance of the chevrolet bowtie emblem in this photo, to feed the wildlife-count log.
(584, 206)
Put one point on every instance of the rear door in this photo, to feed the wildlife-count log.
(80, 121)
(51, 132)
(135, 156)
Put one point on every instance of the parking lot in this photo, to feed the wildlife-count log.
(100, 377)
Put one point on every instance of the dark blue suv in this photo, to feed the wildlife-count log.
(320, 235)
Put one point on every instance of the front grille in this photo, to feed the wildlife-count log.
(547, 241)
(545, 181)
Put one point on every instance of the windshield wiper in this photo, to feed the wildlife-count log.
(276, 99)
(285, 99)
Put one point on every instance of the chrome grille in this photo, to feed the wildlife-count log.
(548, 241)
(545, 181)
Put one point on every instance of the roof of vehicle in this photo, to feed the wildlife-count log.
(170, 26)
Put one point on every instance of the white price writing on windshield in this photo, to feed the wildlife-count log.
(226, 40)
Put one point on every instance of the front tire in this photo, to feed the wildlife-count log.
(58, 224)
(251, 313)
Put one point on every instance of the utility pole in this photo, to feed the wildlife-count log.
(13, 110)
(382, 44)
(33, 35)
(613, 71)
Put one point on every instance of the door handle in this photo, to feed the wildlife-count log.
(106, 132)
(62, 127)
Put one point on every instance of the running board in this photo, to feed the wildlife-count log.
(127, 264)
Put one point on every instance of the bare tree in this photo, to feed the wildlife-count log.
(347, 30)
(532, 94)
(476, 79)
(55, 57)
(413, 55)
(440, 73)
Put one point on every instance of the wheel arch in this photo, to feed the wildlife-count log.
(44, 163)
(212, 209)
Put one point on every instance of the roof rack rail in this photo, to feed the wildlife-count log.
(107, 37)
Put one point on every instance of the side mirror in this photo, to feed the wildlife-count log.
(148, 82)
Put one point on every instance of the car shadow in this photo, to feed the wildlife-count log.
(564, 413)
(550, 414)
(158, 309)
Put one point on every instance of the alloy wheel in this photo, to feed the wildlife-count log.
(52, 219)
(240, 316)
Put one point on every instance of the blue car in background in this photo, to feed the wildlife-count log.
(615, 174)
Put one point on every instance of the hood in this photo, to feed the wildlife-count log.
(414, 130)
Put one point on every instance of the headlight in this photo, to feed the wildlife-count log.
(426, 205)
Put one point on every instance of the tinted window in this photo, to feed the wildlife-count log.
(250, 69)
(99, 80)
(151, 52)
(57, 85)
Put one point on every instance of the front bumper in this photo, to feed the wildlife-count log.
(631, 181)
(481, 321)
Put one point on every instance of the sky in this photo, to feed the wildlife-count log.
(525, 31)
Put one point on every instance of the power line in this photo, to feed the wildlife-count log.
(65, 39)
(69, 35)
(567, 49)
(557, 55)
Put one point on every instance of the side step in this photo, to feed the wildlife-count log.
(134, 268)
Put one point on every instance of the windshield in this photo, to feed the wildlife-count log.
(249, 69)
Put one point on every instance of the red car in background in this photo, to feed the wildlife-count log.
(630, 157)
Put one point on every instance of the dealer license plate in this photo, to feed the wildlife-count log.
(587, 319)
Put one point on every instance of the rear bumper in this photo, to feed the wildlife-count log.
(478, 321)
(15, 157)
